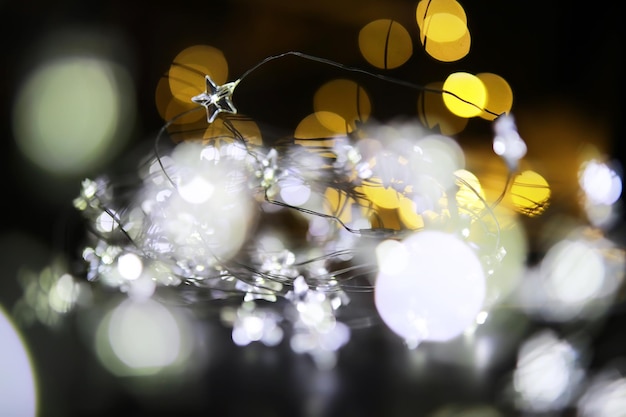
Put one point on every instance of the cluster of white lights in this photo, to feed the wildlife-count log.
(196, 216)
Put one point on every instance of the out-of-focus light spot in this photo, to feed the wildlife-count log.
(106, 222)
(577, 278)
(141, 338)
(129, 266)
(430, 8)
(196, 191)
(443, 29)
(481, 317)
(18, 395)
(507, 142)
(185, 79)
(343, 206)
(407, 211)
(176, 111)
(530, 193)
(294, 191)
(499, 95)
(438, 157)
(574, 271)
(604, 397)
(49, 294)
(385, 43)
(236, 130)
(433, 112)
(344, 98)
(449, 51)
(392, 257)
(547, 373)
(464, 94)
(505, 265)
(600, 183)
(187, 72)
(311, 127)
(385, 197)
(199, 233)
(470, 193)
(439, 292)
(73, 112)
(64, 294)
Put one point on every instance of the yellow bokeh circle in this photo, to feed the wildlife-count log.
(464, 94)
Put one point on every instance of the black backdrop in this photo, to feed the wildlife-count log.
(549, 53)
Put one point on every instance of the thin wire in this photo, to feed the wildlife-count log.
(365, 72)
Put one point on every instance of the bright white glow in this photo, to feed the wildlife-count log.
(481, 318)
(63, 294)
(129, 266)
(392, 257)
(600, 183)
(208, 218)
(196, 191)
(605, 397)
(105, 223)
(439, 157)
(546, 372)
(574, 271)
(294, 191)
(144, 335)
(507, 142)
(439, 292)
(72, 112)
(17, 384)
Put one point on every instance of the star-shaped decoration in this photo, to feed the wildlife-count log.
(216, 98)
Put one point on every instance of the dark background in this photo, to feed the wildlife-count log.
(564, 64)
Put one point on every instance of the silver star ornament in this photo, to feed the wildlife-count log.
(216, 98)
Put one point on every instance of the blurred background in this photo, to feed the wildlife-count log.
(78, 86)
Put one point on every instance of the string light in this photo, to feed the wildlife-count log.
(282, 239)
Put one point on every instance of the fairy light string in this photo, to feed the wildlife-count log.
(317, 282)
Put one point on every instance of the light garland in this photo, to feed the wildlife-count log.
(197, 219)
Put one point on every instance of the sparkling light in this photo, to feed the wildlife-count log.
(437, 295)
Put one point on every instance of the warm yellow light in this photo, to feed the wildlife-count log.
(311, 127)
(385, 197)
(464, 94)
(344, 98)
(169, 107)
(443, 27)
(429, 8)
(187, 72)
(470, 194)
(499, 95)
(408, 214)
(245, 130)
(530, 193)
(339, 204)
(385, 43)
(448, 51)
(434, 114)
